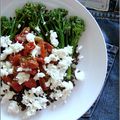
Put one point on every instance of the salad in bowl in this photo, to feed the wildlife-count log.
(39, 54)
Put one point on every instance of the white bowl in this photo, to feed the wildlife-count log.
(94, 63)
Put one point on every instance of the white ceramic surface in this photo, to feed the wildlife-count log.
(94, 63)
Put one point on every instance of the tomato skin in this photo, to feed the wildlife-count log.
(42, 84)
(43, 50)
(48, 47)
(33, 64)
(30, 83)
(7, 79)
(28, 48)
(20, 38)
(40, 60)
(32, 72)
(15, 59)
(16, 86)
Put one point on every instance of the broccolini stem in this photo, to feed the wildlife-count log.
(12, 29)
(69, 73)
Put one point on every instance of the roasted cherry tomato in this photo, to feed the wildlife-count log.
(20, 38)
(7, 79)
(32, 72)
(33, 64)
(30, 83)
(16, 86)
(28, 48)
(48, 47)
(43, 50)
(42, 84)
(15, 59)
(40, 60)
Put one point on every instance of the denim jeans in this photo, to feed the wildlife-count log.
(106, 106)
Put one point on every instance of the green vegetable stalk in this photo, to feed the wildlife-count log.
(68, 29)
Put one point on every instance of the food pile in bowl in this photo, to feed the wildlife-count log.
(39, 54)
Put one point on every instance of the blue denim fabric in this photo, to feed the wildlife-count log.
(106, 106)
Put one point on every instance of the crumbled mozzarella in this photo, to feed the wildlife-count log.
(57, 94)
(37, 28)
(50, 58)
(23, 69)
(30, 37)
(34, 99)
(13, 107)
(65, 63)
(37, 90)
(39, 75)
(6, 68)
(80, 75)
(58, 72)
(6, 93)
(68, 85)
(5, 41)
(55, 72)
(61, 53)
(13, 48)
(16, 47)
(22, 77)
(4, 88)
(53, 38)
(19, 25)
(36, 51)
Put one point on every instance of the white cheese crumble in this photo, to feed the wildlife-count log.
(61, 53)
(53, 38)
(36, 51)
(50, 58)
(22, 77)
(30, 37)
(5, 41)
(6, 68)
(16, 47)
(13, 48)
(6, 93)
(80, 75)
(64, 93)
(58, 72)
(19, 25)
(55, 72)
(37, 28)
(13, 108)
(23, 69)
(34, 99)
(39, 75)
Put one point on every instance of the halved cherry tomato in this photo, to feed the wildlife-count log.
(20, 38)
(33, 64)
(28, 48)
(15, 59)
(30, 83)
(40, 60)
(32, 72)
(48, 47)
(42, 84)
(7, 79)
(16, 86)
(43, 50)
(24, 64)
